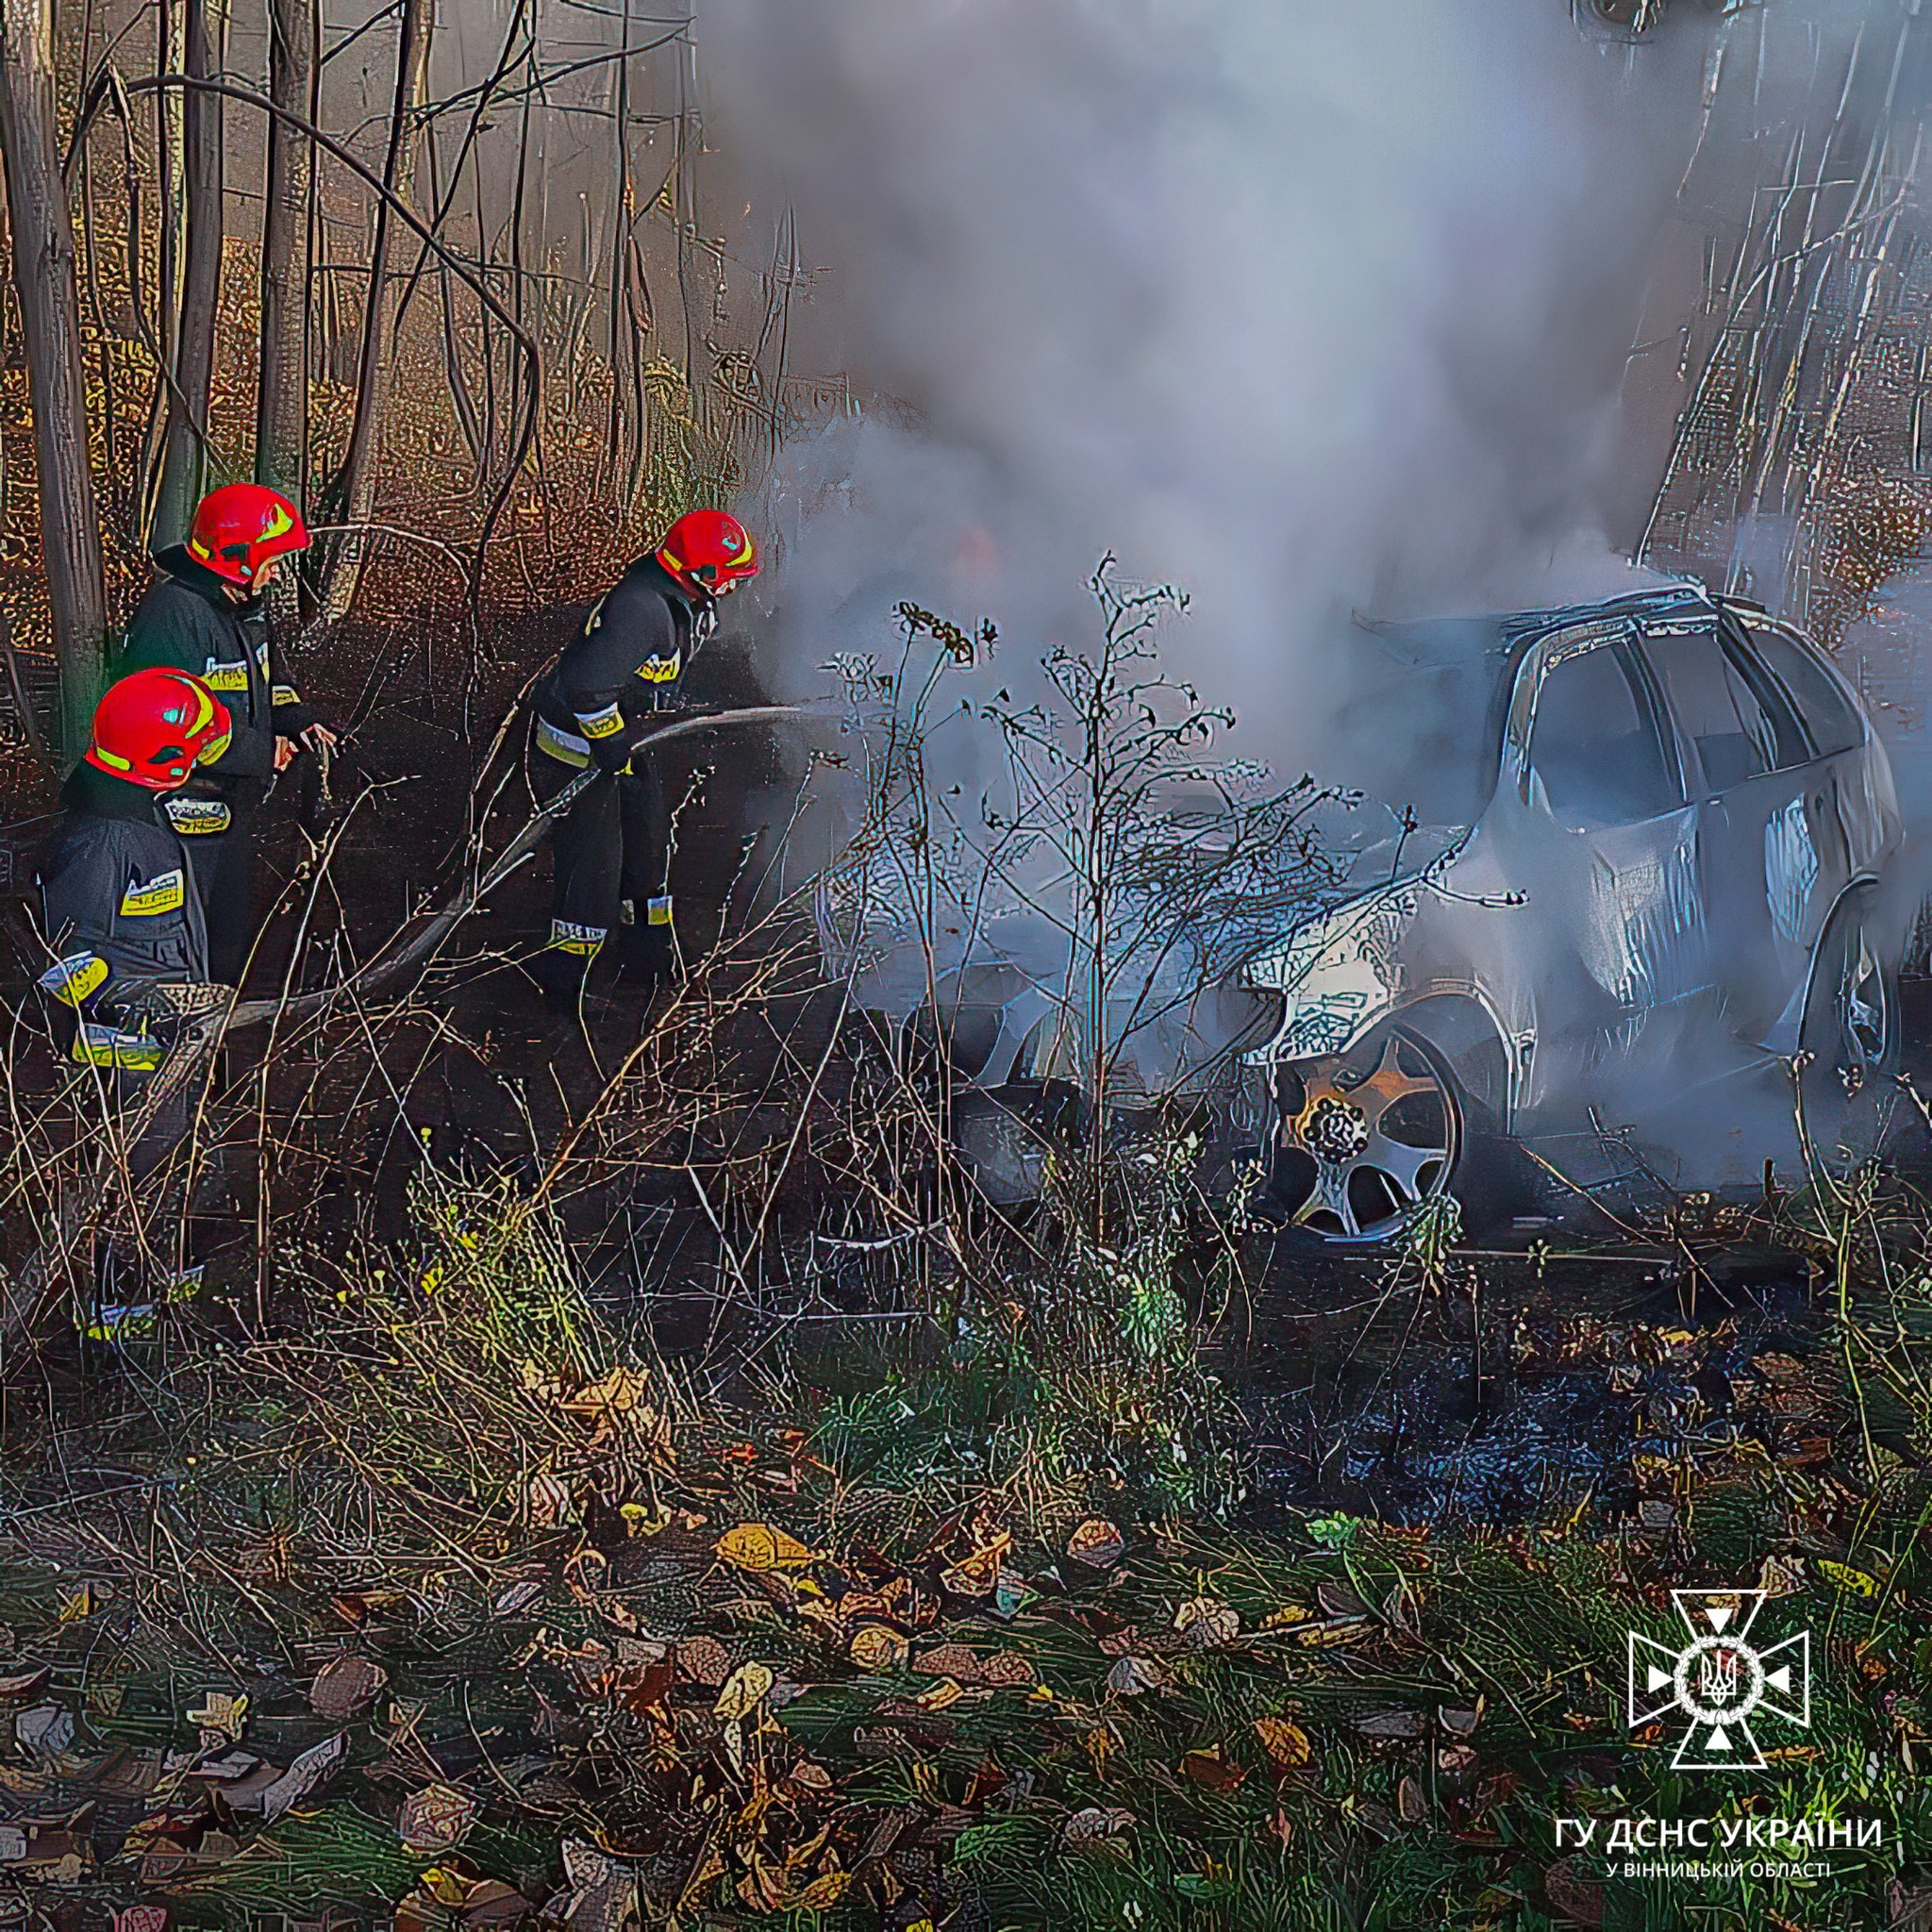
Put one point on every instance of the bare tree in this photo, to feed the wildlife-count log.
(184, 461)
(352, 495)
(281, 413)
(44, 279)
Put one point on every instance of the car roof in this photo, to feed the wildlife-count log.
(1450, 679)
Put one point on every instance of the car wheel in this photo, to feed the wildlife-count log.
(1362, 1142)
(1848, 1040)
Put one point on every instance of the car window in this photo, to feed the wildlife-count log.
(1831, 722)
(1738, 732)
(1594, 748)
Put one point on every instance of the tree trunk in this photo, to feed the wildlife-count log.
(281, 407)
(183, 462)
(44, 279)
(352, 496)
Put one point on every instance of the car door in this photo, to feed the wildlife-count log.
(1608, 844)
(1765, 873)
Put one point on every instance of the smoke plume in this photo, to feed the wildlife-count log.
(1302, 306)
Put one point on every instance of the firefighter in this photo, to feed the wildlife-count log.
(206, 615)
(122, 919)
(611, 853)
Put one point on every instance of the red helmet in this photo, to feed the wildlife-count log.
(708, 550)
(240, 525)
(155, 726)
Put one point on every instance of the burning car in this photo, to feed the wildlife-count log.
(1635, 844)
(1679, 828)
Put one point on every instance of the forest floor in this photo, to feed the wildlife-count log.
(499, 1538)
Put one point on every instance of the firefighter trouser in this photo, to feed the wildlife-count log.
(611, 851)
(130, 1051)
(225, 881)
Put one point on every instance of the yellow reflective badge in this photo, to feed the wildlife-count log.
(604, 723)
(561, 745)
(109, 1047)
(662, 670)
(284, 694)
(219, 675)
(76, 978)
(167, 893)
(195, 818)
(585, 940)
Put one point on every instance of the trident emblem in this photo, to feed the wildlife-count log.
(1719, 1680)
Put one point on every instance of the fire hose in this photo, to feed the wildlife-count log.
(207, 1014)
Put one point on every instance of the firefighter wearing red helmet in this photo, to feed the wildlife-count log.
(122, 922)
(206, 615)
(611, 853)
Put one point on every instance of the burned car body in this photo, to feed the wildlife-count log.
(1632, 846)
(1678, 866)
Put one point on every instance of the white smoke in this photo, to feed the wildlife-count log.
(1302, 304)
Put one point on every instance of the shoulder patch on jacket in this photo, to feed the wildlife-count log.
(166, 892)
(662, 670)
(604, 723)
(75, 978)
(195, 818)
(225, 674)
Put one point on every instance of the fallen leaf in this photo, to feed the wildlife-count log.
(1575, 1893)
(978, 1573)
(758, 1546)
(45, 1729)
(1210, 1769)
(744, 1692)
(1133, 1676)
(1854, 1582)
(222, 1712)
(1206, 1623)
(1286, 1743)
(1907, 1912)
(547, 1501)
(302, 1776)
(1338, 1600)
(602, 1893)
(704, 1660)
(616, 1394)
(344, 1686)
(942, 1695)
(1095, 1823)
(1325, 1635)
(1098, 1543)
(1457, 1720)
(434, 1819)
(1391, 1723)
(1411, 1806)
(141, 1919)
(23, 1683)
(1288, 1613)
(822, 1894)
(958, 1660)
(875, 1648)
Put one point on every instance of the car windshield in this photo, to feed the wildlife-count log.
(1422, 727)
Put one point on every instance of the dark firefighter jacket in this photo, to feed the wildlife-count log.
(623, 665)
(187, 622)
(122, 915)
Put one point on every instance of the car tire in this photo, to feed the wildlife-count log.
(1849, 1036)
(1362, 1194)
